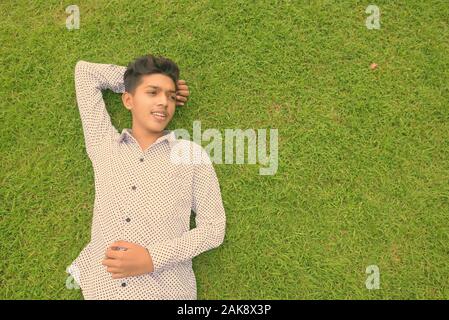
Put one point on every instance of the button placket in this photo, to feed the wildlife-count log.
(139, 169)
(134, 186)
(134, 197)
(131, 200)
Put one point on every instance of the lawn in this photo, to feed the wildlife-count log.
(363, 154)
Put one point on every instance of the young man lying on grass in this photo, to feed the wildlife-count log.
(141, 244)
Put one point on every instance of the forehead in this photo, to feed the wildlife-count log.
(162, 81)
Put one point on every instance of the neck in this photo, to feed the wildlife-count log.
(145, 138)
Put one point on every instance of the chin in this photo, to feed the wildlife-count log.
(156, 129)
(157, 126)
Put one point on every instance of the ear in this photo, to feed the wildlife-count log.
(127, 100)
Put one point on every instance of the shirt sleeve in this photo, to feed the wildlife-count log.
(210, 222)
(90, 80)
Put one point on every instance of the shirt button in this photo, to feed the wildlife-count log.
(133, 187)
(123, 284)
(141, 159)
(128, 219)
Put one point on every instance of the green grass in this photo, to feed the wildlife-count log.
(363, 173)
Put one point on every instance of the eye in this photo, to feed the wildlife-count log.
(173, 97)
(152, 93)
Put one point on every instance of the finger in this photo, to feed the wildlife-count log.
(182, 87)
(181, 81)
(118, 275)
(110, 263)
(121, 243)
(181, 98)
(113, 254)
(113, 270)
(183, 91)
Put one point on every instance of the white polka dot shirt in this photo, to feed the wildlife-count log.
(144, 197)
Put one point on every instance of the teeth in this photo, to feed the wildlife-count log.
(158, 114)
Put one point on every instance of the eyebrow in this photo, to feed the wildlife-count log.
(156, 87)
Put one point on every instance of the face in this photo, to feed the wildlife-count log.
(153, 103)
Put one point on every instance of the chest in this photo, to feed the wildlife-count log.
(149, 183)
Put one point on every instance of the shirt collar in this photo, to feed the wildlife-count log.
(168, 135)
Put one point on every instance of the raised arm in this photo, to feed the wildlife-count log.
(90, 80)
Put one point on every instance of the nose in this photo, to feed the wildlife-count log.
(162, 100)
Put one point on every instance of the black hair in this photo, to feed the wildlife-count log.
(149, 64)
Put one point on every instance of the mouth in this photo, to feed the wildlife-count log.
(159, 115)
